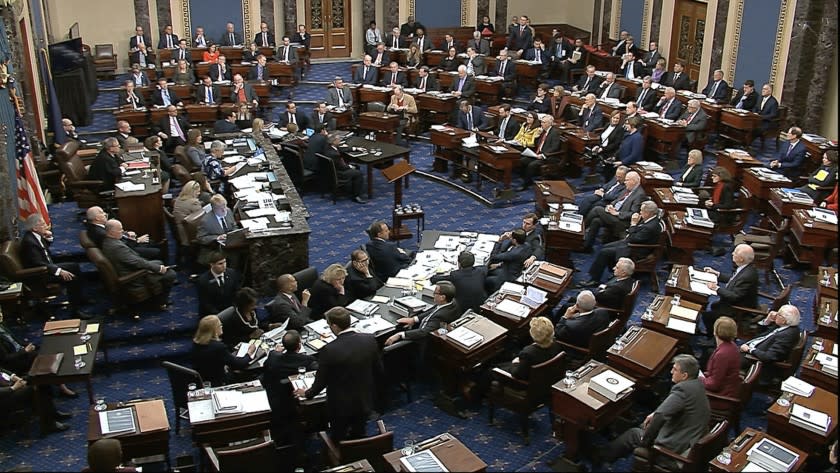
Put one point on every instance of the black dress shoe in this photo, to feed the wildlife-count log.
(359, 200)
(63, 415)
(54, 427)
(522, 188)
(70, 394)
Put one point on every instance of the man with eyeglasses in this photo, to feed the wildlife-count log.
(360, 282)
(445, 311)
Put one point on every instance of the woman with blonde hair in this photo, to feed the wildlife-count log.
(257, 125)
(414, 58)
(328, 291)
(183, 74)
(210, 357)
(543, 349)
(187, 202)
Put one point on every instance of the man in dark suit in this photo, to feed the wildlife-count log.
(16, 393)
(322, 118)
(520, 38)
(221, 71)
(281, 363)
(348, 176)
(694, 120)
(242, 92)
(606, 193)
(379, 57)
(367, 73)
(393, 76)
(349, 368)
(264, 38)
(574, 61)
(125, 260)
(560, 51)
(423, 42)
(287, 52)
(475, 64)
(107, 166)
(360, 281)
(609, 89)
(677, 424)
(163, 97)
(317, 145)
(393, 39)
(649, 59)
(425, 82)
(292, 115)
(200, 40)
(449, 42)
(182, 53)
(615, 216)
(468, 281)
(678, 78)
(208, 92)
(129, 97)
(172, 129)
(746, 98)
(138, 77)
(140, 57)
(590, 116)
(506, 69)
(226, 124)
(717, 88)
(386, 257)
(631, 68)
(463, 86)
(168, 40)
(230, 37)
(35, 251)
(646, 98)
(302, 36)
(668, 106)
(95, 225)
(260, 70)
(470, 118)
(581, 320)
(612, 293)
(507, 125)
(138, 39)
(533, 239)
(213, 229)
(287, 306)
(741, 288)
(644, 230)
(217, 287)
(546, 146)
(507, 266)
(588, 84)
(791, 156)
(625, 45)
(776, 343)
(445, 311)
(539, 55)
(286, 359)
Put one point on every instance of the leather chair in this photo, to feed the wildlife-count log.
(623, 314)
(736, 216)
(698, 457)
(329, 178)
(257, 455)
(85, 241)
(778, 371)
(647, 264)
(525, 397)
(599, 342)
(775, 127)
(105, 61)
(122, 294)
(180, 154)
(375, 107)
(180, 174)
(370, 448)
(292, 157)
(36, 285)
(180, 378)
(767, 245)
(84, 191)
(730, 408)
(305, 278)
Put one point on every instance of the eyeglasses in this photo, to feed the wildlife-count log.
(363, 260)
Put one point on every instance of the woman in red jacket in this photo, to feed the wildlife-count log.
(722, 370)
(830, 202)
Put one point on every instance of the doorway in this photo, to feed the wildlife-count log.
(329, 23)
(687, 36)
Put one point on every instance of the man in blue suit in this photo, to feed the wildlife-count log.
(717, 88)
(590, 115)
(366, 73)
(790, 158)
(507, 265)
(606, 193)
(767, 106)
(386, 258)
(470, 118)
(669, 107)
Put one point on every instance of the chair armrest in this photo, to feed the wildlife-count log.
(610, 309)
(732, 211)
(507, 378)
(29, 273)
(332, 449)
(765, 231)
(381, 425)
(664, 451)
(579, 349)
(85, 183)
(211, 458)
(713, 396)
(750, 310)
(131, 276)
(764, 295)
(641, 245)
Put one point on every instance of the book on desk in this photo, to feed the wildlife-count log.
(772, 456)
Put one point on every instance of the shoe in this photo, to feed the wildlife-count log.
(359, 200)
(62, 415)
(586, 284)
(54, 427)
(69, 393)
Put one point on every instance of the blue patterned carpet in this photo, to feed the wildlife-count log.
(137, 348)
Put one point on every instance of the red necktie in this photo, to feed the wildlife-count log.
(542, 140)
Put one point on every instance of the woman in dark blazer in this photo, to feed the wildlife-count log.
(722, 375)
(541, 103)
(607, 147)
(722, 196)
(543, 349)
(824, 177)
(328, 291)
(692, 175)
(486, 27)
(210, 357)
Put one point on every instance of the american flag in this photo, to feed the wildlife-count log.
(30, 196)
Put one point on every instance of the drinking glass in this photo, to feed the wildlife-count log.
(84, 337)
(570, 379)
(619, 344)
(408, 448)
(676, 299)
(442, 332)
(79, 363)
(725, 456)
(818, 345)
(100, 403)
(207, 386)
(301, 371)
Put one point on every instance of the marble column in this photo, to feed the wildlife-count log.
(719, 35)
(369, 14)
(656, 19)
(390, 14)
(482, 10)
(606, 21)
(501, 16)
(141, 16)
(812, 43)
(164, 16)
(596, 22)
(290, 20)
(267, 15)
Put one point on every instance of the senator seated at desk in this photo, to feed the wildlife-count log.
(820, 181)
(777, 341)
(107, 166)
(240, 320)
(469, 282)
(212, 358)
(546, 149)
(740, 289)
(791, 156)
(605, 194)
(387, 258)
(616, 215)
(360, 282)
(96, 219)
(506, 266)
(722, 374)
(129, 97)
(692, 174)
(218, 286)
(226, 124)
(445, 311)
(16, 393)
(612, 293)
(286, 305)
(212, 167)
(581, 320)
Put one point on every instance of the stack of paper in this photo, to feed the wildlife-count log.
(797, 386)
(512, 289)
(611, 385)
(534, 297)
(363, 307)
(809, 419)
(772, 456)
(399, 283)
(116, 421)
(465, 337)
(511, 307)
(828, 363)
(227, 402)
(129, 186)
(373, 325)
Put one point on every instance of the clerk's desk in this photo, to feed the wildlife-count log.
(141, 211)
(150, 437)
(214, 429)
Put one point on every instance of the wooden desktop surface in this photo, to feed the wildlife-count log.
(67, 372)
(739, 459)
(811, 370)
(778, 421)
(683, 286)
(454, 455)
(645, 356)
(661, 306)
(151, 437)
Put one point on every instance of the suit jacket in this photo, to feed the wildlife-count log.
(346, 96)
(511, 261)
(631, 149)
(551, 145)
(325, 297)
(370, 78)
(777, 347)
(648, 102)
(13, 355)
(450, 64)
(328, 121)
(358, 286)
(468, 90)
(431, 83)
(317, 144)
(176, 56)
(350, 368)
(478, 120)
(142, 81)
(674, 109)
(532, 355)
(281, 365)
(293, 55)
(132, 41)
(520, 39)
(258, 38)
(225, 39)
(298, 38)
(612, 293)
(697, 128)
(510, 130)
(722, 373)
(540, 107)
(721, 94)
(479, 66)
(157, 97)
(433, 319)
(211, 359)
(162, 43)
(386, 260)
(591, 87)
(614, 140)
(282, 308)
(124, 100)
(235, 328)
(531, 55)
(621, 49)
(382, 61)
(209, 227)
(740, 289)
(683, 82)
(694, 177)
(644, 233)
(427, 43)
(105, 168)
(198, 43)
(613, 93)
(134, 58)
(300, 118)
(791, 161)
(253, 73)
(482, 46)
(399, 80)
(683, 417)
(389, 41)
(749, 102)
(650, 59)
(769, 110)
(564, 48)
(224, 126)
(591, 118)
(213, 297)
(579, 330)
(32, 254)
(469, 286)
(201, 94)
(510, 70)
(125, 260)
(216, 72)
(636, 66)
(250, 94)
(165, 125)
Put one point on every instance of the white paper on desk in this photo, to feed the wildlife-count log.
(517, 110)
(753, 467)
(823, 215)
(702, 288)
(681, 325)
(534, 297)
(233, 159)
(498, 149)
(399, 283)
(440, 128)
(684, 313)
(260, 212)
(509, 306)
(201, 410)
(129, 186)
(252, 224)
(243, 182)
(373, 325)
(470, 141)
(529, 153)
(662, 176)
(650, 114)
(255, 401)
(277, 330)
(133, 172)
(447, 242)
(701, 276)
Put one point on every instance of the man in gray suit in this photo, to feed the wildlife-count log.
(616, 215)
(339, 95)
(125, 260)
(213, 229)
(677, 424)
(694, 121)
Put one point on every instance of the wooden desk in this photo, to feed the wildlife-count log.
(811, 370)
(488, 91)
(383, 123)
(283, 72)
(433, 58)
(560, 242)
(811, 240)
(778, 424)
(825, 318)
(645, 354)
(446, 79)
(390, 152)
(631, 87)
(739, 458)
(343, 119)
(447, 144)
(551, 192)
(649, 181)
(138, 119)
(435, 109)
(827, 288)
(664, 198)
(210, 429)
(679, 272)
(368, 95)
(580, 410)
(782, 207)
(202, 113)
(663, 139)
(538, 275)
(142, 211)
(577, 141)
(454, 455)
(684, 238)
(736, 162)
(739, 125)
(517, 327)
(496, 162)
(760, 187)
(660, 309)
(150, 438)
(67, 372)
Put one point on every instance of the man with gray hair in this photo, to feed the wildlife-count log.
(617, 214)
(605, 194)
(677, 424)
(717, 89)
(694, 120)
(776, 343)
(741, 288)
(581, 320)
(612, 293)
(645, 228)
(107, 166)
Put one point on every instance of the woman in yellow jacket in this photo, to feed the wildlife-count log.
(529, 131)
